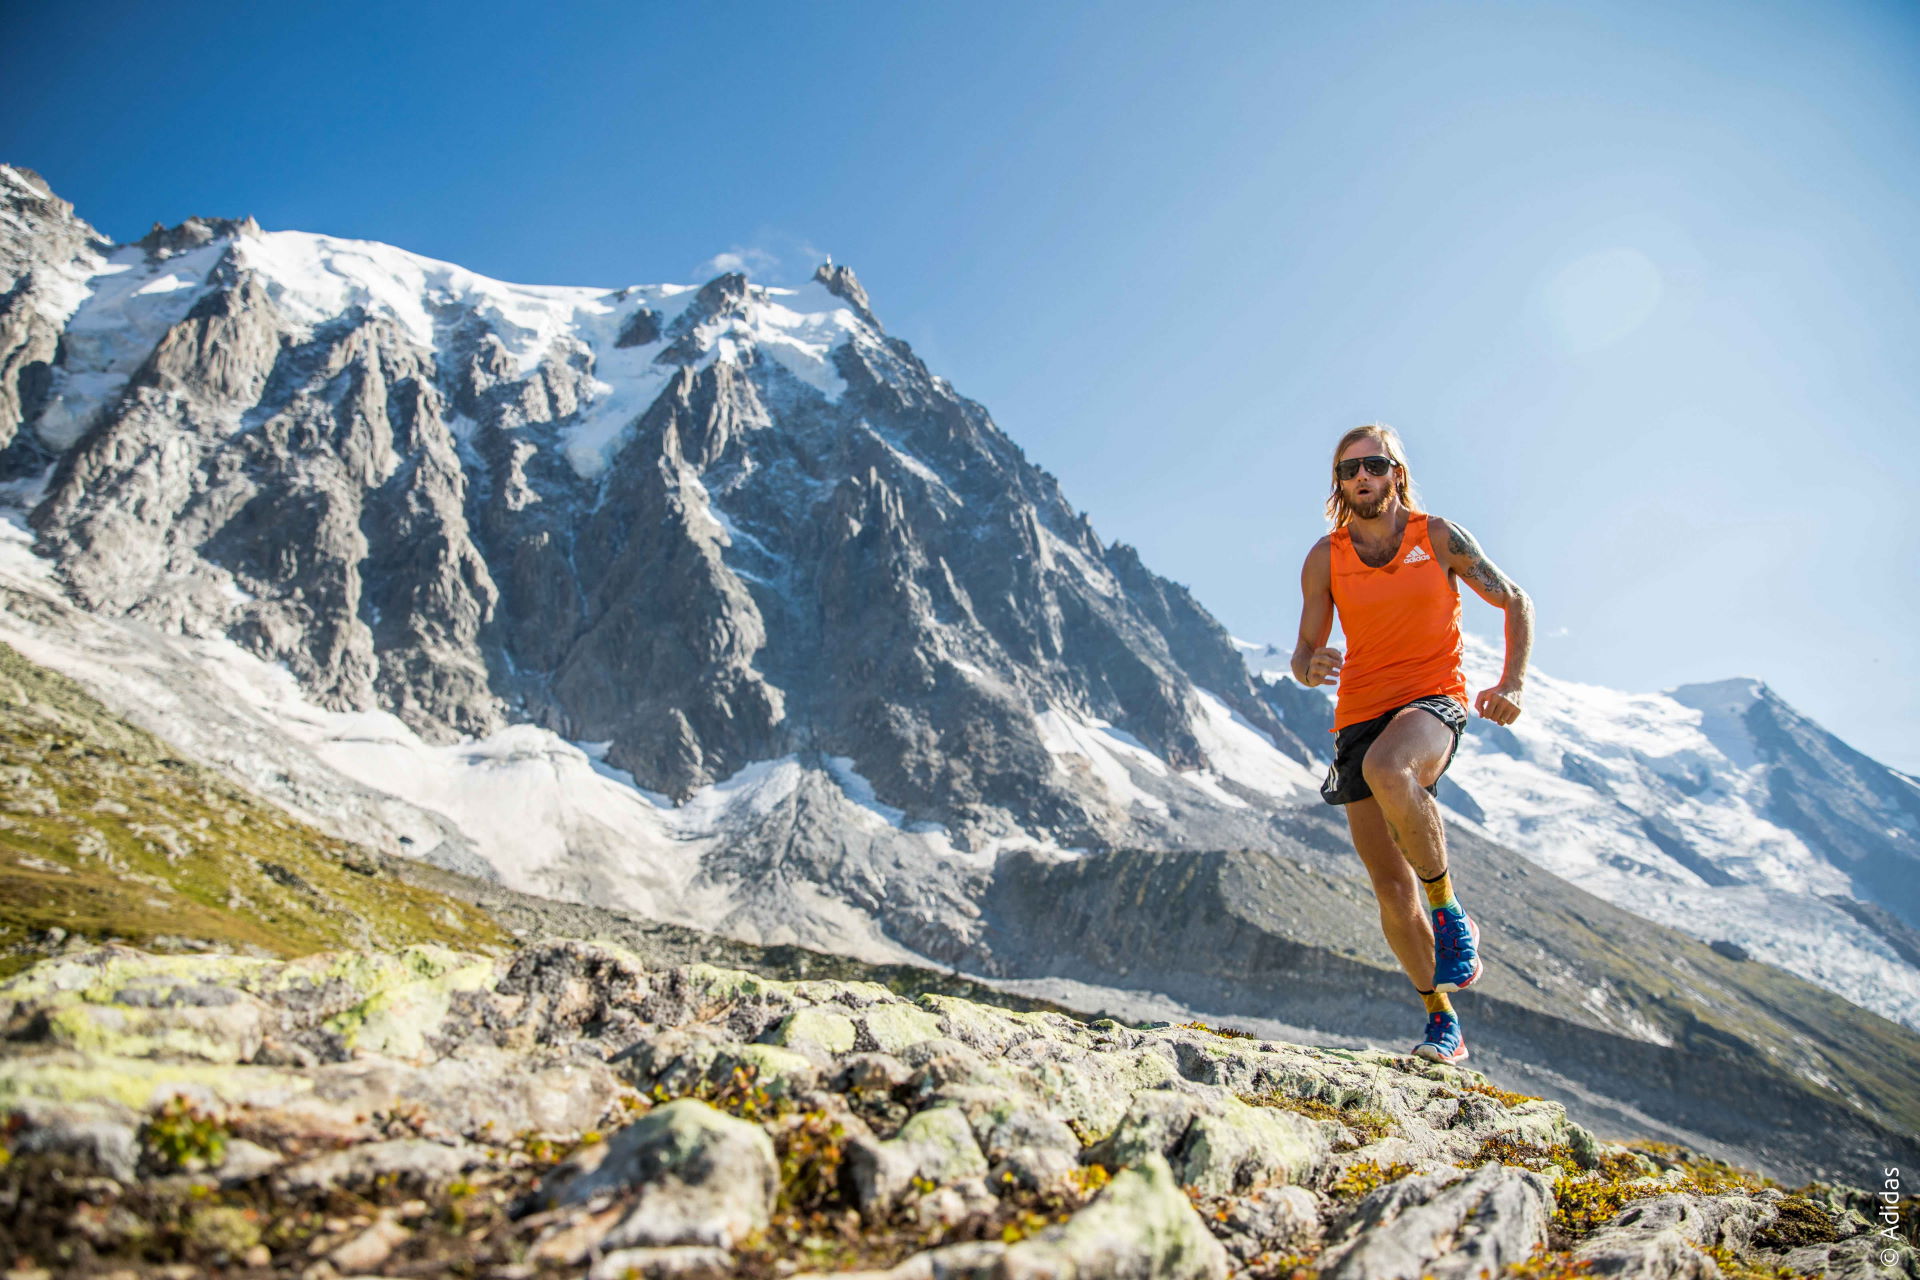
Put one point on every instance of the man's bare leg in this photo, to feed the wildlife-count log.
(1400, 764)
(1403, 911)
(1409, 754)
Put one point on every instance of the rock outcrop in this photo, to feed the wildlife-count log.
(566, 1109)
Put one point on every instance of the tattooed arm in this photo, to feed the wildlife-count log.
(1459, 552)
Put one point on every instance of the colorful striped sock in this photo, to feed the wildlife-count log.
(1437, 1001)
(1439, 891)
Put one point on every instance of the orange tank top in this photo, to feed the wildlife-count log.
(1402, 627)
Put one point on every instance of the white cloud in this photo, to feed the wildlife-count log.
(749, 260)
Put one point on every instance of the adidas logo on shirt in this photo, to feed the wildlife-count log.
(1416, 556)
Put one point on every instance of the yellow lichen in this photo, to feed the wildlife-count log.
(1362, 1176)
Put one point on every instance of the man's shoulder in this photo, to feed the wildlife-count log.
(1447, 535)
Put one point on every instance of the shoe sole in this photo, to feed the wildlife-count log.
(1473, 931)
(1432, 1053)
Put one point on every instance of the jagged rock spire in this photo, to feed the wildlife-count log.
(842, 283)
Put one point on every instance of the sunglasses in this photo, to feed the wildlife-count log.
(1375, 465)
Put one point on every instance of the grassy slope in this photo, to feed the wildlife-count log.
(105, 832)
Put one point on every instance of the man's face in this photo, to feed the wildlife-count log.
(1367, 495)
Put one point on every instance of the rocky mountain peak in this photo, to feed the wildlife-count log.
(162, 241)
(842, 283)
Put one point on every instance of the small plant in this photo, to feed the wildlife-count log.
(1591, 1200)
(1282, 1266)
(1026, 1222)
(1734, 1267)
(1504, 1148)
(180, 1136)
(740, 1094)
(811, 1152)
(1088, 1179)
(1797, 1221)
(537, 1147)
(1504, 1097)
(1370, 1125)
(1547, 1264)
(1717, 1177)
(406, 1120)
(1228, 1033)
(1362, 1176)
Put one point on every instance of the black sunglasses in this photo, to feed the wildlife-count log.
(1375, 465)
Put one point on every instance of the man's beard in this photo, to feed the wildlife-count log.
(1368, 510)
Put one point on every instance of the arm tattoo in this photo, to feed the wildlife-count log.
(1481, 569)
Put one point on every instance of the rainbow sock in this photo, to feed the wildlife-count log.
(1437, 1001)
(1439, 891)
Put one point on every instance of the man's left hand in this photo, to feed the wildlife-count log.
(1500, 704)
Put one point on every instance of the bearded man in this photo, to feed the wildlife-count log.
(1391, 572)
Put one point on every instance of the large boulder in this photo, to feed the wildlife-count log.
(701, 1176)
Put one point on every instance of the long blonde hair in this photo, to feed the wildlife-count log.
(1338, 510)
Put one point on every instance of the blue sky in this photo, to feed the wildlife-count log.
(1638, 282)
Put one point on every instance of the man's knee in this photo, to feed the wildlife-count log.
(1389, 774)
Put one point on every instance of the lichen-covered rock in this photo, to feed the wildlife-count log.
(1141, 1227)
(824, 1031)
(98, 1138)
(1282, 1221)
(1444, 1226)
(935, 1145)
(410, 1160)
(702, 1177)
(673, 1262)
(1863, 1257)
(1214, 1143)
(928, 1138)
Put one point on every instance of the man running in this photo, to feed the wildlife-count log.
(1389, 569)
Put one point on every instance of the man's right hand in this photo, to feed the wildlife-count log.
(1324, 667)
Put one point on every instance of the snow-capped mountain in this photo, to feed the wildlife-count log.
(712, 602)
(704, 549)
(1714, 808)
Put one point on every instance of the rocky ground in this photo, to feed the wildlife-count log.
(570, 1109)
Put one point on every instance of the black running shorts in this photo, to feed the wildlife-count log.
(1344, 782)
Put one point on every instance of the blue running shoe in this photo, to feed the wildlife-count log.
(1443, 1042)
(1456, 947)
